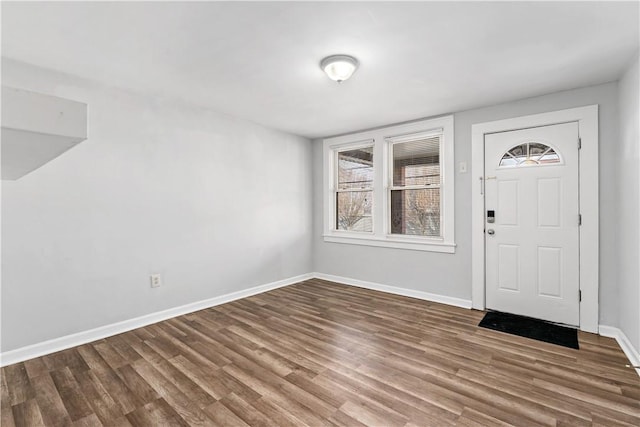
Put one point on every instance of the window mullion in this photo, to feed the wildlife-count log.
(415, 187)
(351, 190)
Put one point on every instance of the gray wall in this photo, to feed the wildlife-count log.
(213, 203)
(628, 217)
(450, 275)
(156, 188)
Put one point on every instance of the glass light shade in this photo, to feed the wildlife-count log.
(339, 67)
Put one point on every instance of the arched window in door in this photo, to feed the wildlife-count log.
(529, 154)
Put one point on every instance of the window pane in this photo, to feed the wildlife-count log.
(417, 162)
(529, 153)
(550, 157)
(355, 168)
(416, 212)
(353, 211)
(536, 149)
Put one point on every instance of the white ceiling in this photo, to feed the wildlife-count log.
(260, 61)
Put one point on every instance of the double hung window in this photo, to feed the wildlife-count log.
(354, 189)
(391, 187)
(415, 185)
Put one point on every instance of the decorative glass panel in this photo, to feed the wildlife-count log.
(529, 153)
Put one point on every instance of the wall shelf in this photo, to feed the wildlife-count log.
(36, 129)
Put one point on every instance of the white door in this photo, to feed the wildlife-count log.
(531, 222)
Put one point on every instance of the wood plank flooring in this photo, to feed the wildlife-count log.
(322, 354)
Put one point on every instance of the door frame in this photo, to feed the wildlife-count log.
(587, 119)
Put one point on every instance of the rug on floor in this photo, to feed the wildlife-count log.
(531, 328)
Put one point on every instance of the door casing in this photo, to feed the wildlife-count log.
(587, 119)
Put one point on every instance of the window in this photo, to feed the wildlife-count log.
(391, 187)
(529, 154)
(415, 189)
(354, 189)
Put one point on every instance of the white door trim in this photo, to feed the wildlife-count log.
(587, 118)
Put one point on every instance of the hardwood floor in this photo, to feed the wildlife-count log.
(318, 353)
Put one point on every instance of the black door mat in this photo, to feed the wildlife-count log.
(530, 328)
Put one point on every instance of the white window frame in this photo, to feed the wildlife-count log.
(335, 190)
(382, 139)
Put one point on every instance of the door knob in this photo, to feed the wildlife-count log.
(491, 232)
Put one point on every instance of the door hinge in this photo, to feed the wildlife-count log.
(579, 219)
(580, 296)
(579, 143)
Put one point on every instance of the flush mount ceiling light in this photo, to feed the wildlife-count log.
(339, 67)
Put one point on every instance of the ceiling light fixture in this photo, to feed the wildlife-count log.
(339, 67)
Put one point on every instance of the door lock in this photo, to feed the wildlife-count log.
(491, 217)
(491, 232)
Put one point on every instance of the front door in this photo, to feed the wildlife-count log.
(531, 222)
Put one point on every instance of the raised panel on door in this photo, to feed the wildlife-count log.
(549, 272)
(509, 268)
(507, 203)
(549, 202)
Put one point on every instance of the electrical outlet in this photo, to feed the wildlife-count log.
(156, 280)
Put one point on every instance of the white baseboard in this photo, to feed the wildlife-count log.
(79, 338)
(632, 353)
(607, 331)
(458, 302)
(68, 341)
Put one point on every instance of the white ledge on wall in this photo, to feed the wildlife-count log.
(37, 128)
(395, 243)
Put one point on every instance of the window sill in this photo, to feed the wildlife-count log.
(394, 243)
